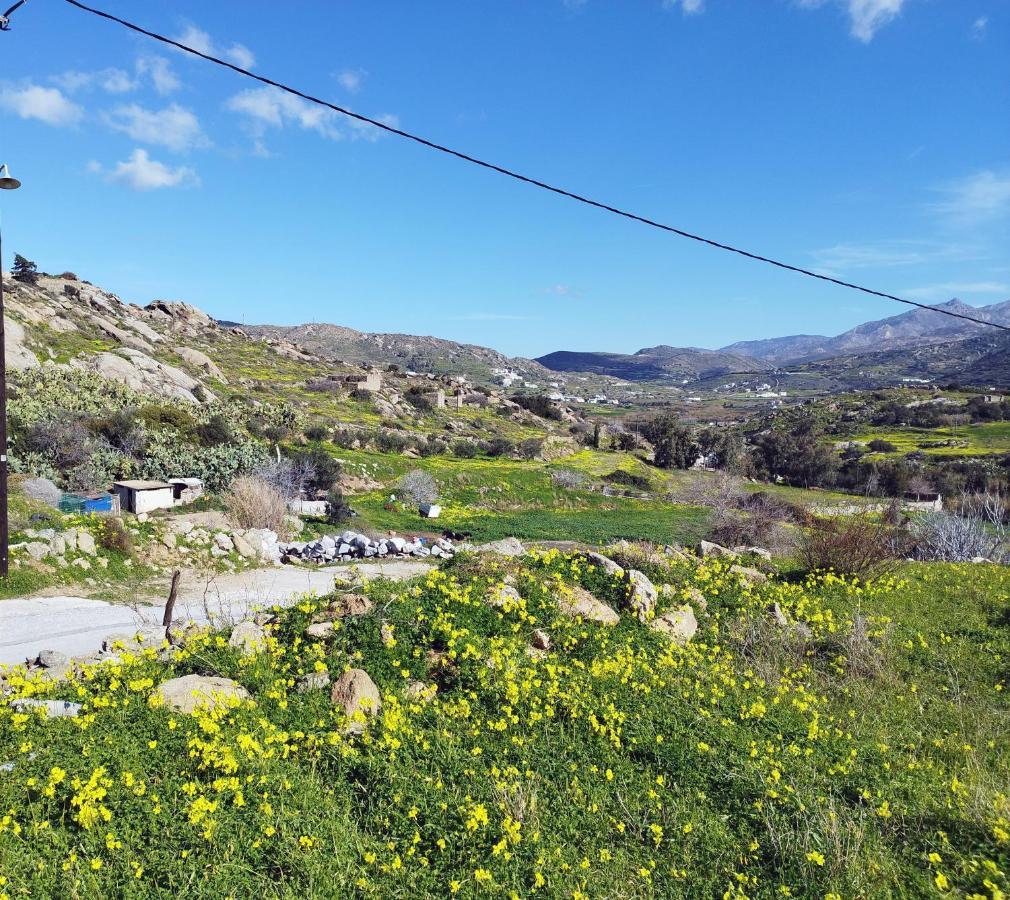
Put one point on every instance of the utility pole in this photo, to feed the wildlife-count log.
(7, 183)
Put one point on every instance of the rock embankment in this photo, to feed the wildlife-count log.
(351, 545)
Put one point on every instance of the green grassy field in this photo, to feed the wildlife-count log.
(865, 758)
(965, 440)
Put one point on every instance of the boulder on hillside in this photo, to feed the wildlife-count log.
(641, 594)
(140, 372)
(749, 574)
(200, 360)
(247, 637)
(577, 602)
(679, 625)
(190, 692)
(603, 562)
(505, 547)
(710, 550)
(19, 357)
(358, 696)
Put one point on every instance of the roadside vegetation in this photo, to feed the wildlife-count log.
(850, 744)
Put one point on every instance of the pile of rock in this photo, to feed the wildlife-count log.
(351, 545)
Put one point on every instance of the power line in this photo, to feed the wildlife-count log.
(527, 179)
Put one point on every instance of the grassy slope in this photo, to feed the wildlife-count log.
(617, 765)
(982, 439)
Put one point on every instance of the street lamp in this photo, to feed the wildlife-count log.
(7, 183)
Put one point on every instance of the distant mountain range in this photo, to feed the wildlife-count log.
(890, 337)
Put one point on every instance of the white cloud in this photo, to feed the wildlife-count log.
(559, 290)
(350, 79)
(866, 17)
(689, 7)
(977, 199)
(948, 289)
(112, 80)
(174, 126)
(160, 71)
(48, 105)
(141, 173)
(198, 39)
(979, 27)
(274, 108)
(870, 256)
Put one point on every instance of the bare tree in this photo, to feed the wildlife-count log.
(418, 487)
(977, 530)
(288, 476)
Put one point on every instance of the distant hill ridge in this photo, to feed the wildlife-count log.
(906, 331)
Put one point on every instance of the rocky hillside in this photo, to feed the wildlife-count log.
(654, 363)
(414, 352)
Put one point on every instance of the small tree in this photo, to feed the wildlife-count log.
(418, 487)
(337, 509)
(25, 270)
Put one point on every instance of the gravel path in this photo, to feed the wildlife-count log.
(77, 626)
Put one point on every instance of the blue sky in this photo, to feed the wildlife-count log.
(866, 138)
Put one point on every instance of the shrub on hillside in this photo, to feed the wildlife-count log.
(464, 449)
(361, 395)
(879, 445)
(252, 502)
(337, 509)
(567, 478)
(499, 446)
(980, 529)
(64, 441)
(850, 545)
(539, 405)
(530, 448)
(417, 487)
(622, 476)
(215, 431)
(317, 432)
(112, 535)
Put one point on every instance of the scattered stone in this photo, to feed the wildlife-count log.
(52, 659)
(170, 540)
(641, 594)
(357, 695)
(190, 692)
(320, 631)
(36, 549)
(603, 562)
(346, 605)
(314, 681)
(583, 604)
(242, 546)
(505, 547)
(749, 574)
(81, 563)
(86, 542)
(541, 640)
(709, 550)
(386, 634)
(418, 690)
(54, 709)
(776, 614)
(697, 598)
(679, 625)
(247, 637)
(753, 551)
(503, 593)
(224, 541)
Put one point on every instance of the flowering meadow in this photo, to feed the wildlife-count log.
(852, 741)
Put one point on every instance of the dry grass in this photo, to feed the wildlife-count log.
(254, 503)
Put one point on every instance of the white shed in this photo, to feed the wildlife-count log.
(143, 496)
